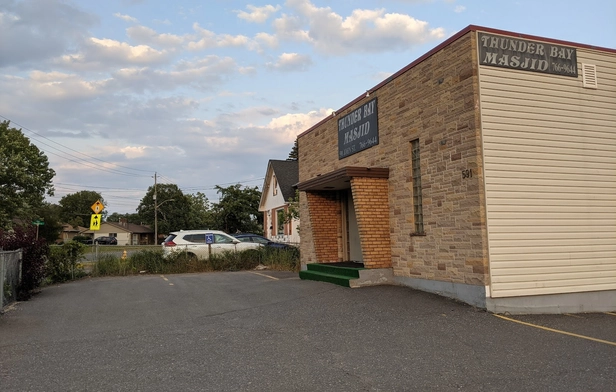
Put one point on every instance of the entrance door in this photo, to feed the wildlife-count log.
(351, 229)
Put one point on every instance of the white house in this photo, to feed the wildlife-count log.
(278, 191)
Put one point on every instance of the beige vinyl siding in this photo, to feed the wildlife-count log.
(550, 173)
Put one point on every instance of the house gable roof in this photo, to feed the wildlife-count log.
(287, 175)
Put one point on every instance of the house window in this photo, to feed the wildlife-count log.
(113, 235)
(416, 178)
(275, 187)
(280, 222)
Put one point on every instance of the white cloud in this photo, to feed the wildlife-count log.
(291, 62)
(132, 152)
(101, 54)
(257, 14)
(206, 39)
(200, 39)
(140, 54)
(204, 74)
(126, 18)
(362, 31)
(148, 36)
(291, 28)
(459, 9)
(284, 129)
(267, 39)
(58, 86)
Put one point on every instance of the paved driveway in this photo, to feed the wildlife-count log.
(269, 331)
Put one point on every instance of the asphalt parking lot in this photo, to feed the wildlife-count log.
(270, 331)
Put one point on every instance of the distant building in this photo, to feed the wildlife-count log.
(278, 190)
(484, 171)
(69, 232)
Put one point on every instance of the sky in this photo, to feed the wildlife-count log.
(205, 92)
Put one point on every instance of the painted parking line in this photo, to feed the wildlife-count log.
(557, 330)
(166, 280)
(267, 276)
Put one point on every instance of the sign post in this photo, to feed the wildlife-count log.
(38, 222)
(209, 240)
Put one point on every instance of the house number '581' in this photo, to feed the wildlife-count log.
(468, 173)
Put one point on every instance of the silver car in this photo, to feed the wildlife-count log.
(202, 243)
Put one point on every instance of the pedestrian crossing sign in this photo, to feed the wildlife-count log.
(95, 222)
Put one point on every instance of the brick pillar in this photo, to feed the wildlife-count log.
(370, 196)
(324, 213)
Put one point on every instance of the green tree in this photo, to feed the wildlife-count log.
(130, 218)
(50, 214)
(75, 207)
(173, 208)
(238, 209)
(294, 154)
(201, 215)
(25, 176)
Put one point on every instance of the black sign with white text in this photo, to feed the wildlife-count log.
(514, 53)
(358, 130)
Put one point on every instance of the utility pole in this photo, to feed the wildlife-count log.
(155, 214)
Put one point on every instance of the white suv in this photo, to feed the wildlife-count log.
(199, 243)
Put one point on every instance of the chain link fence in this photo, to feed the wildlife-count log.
(10, 275)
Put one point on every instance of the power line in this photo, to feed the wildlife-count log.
(99, 187)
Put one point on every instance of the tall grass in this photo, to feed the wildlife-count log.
(153, 262)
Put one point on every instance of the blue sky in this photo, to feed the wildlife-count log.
(206, 92)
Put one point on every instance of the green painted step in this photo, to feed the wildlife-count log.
(340, 280)
(334, 270)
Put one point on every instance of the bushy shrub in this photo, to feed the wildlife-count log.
(153, 262)
(107, 265)
(234, 261)
(148, 260)
(64, 262)
(35, 253)
(280, 259)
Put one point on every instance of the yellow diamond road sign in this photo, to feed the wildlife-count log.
(97, 207)
(95, 222)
